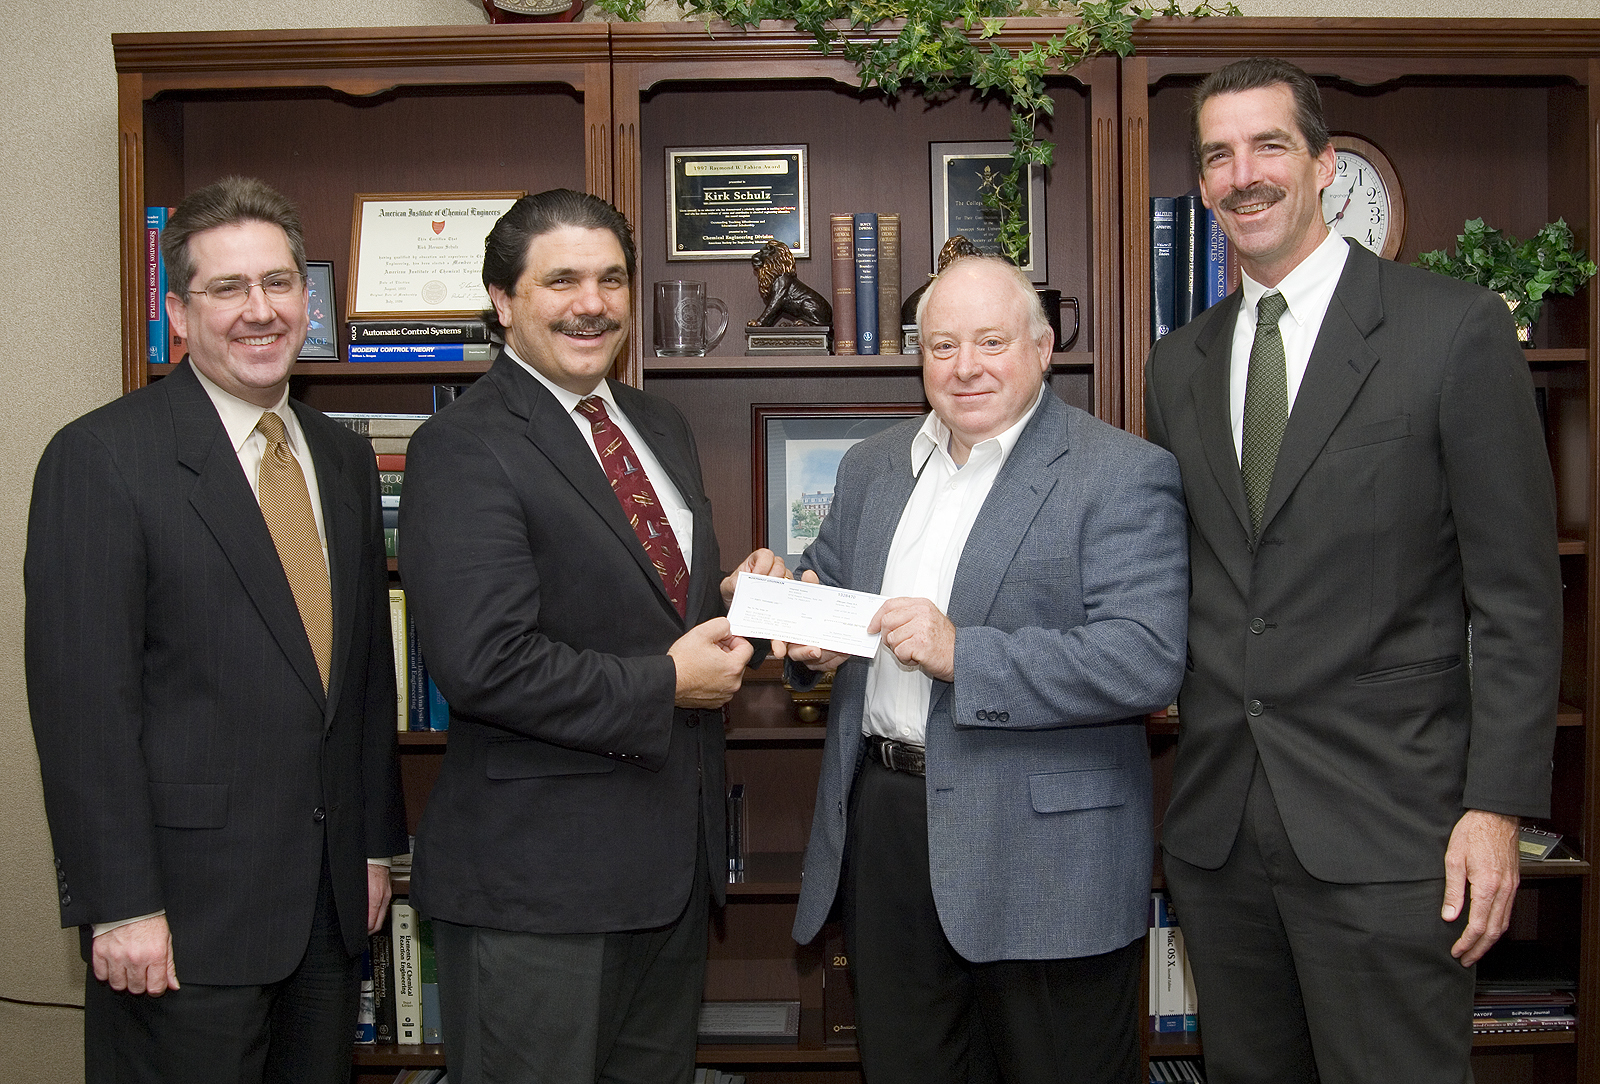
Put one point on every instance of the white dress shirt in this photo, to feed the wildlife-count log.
(672, 502)
(1307, 290)
(922, 562)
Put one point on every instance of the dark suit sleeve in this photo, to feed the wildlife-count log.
(1502, 499)
(472, 574)
(383, 813)
(84, 577)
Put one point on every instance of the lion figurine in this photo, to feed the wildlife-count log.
(786, 296)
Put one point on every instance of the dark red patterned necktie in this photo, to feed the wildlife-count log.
(638, 499)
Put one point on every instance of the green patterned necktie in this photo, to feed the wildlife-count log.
(1266, 405)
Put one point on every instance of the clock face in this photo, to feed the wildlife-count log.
(1364, 201)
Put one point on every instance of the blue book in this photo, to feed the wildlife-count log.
(155, 308)
(1169, 968)
(1188, 259)
(1163, 214)
(438, 710)
(866, 235)
(421, 351)
(1216, 276)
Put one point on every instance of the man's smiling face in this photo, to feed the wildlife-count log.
(568, 317)
(1262, 181)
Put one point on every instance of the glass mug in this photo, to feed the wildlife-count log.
(682, 329)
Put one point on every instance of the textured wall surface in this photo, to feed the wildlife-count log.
(59, 357)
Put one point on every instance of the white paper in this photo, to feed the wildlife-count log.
(796, 612)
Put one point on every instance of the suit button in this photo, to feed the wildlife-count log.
(1005, 716)
(694, 719)
(1258, 626)
(318, 815)
(982, 717)
(66, 898)
(1256, 707)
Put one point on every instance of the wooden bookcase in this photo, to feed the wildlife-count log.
(1480, 117)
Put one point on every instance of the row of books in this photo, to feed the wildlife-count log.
(419, 704)
(400, 983)
(1525, 986)
(419, 340)
(866, 282)
(716, 1076)
(1192, 265)
(1163, 1070)
(1172, 998)
(421, 1076)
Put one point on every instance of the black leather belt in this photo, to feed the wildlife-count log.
(897, 756)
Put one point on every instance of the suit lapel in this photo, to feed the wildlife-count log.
(224, 502)
(1340, 363)
(1018, 492)
(341, 521)
(1208, 387)
(886, 499)
(552, 431)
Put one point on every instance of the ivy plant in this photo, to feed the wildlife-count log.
(1523, 272)
(944, 46)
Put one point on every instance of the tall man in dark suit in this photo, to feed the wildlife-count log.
(1374, 624)
(559, 556)
(212, 684)
(983, 811)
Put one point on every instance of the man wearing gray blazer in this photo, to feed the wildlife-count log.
(1375, 623)
(983, 810)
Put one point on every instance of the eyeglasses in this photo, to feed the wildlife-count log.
(234, 293)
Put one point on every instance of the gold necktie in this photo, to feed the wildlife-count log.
(286, 506)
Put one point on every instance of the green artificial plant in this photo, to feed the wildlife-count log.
(945, 45)
(1523, 272)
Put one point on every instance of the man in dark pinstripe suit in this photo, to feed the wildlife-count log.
(217, 771)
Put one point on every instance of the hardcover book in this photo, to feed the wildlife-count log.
(866, 256)
(842, 232)
(1163, 217)
(889, 283)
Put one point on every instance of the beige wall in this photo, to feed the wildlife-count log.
(58, 254)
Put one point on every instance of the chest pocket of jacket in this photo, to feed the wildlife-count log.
(1361, 436)
(1064, 792)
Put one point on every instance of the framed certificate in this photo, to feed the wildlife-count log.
(795, 459)
(322, 332)
(724, 203)
(421, 256)
(959, 175)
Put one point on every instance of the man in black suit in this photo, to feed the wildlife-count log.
(212, 683)
(559, 556)
(1374, 629)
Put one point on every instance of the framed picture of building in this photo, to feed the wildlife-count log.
(795, 453)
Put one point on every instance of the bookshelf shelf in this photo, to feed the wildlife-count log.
(767, 366)
(1536, 1038)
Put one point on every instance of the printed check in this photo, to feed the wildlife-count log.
(797, 612)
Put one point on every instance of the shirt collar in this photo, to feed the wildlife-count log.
(934, 436)
(569, 400)
(239, 418)
(1317, 274)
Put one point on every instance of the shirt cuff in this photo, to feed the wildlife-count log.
(106, 927)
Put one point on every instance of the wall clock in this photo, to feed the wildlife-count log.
(1365, 201)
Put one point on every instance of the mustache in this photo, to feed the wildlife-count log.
(1260, 192)
(582, 325)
